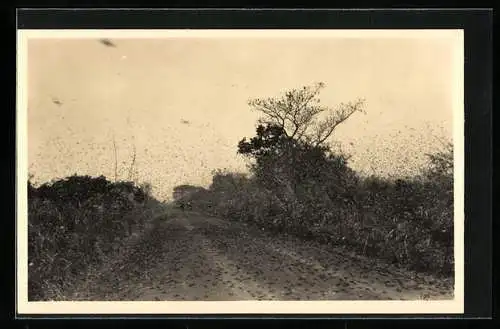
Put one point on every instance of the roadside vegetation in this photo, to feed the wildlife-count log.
(77, 224)
(298, 184)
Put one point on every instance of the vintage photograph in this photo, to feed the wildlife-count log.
(231, 166)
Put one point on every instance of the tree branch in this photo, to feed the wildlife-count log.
(330, 124)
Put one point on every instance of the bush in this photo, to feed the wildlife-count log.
(299, 185)
(75, 223)
(407, 221)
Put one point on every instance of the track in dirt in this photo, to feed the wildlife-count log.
(194, 257)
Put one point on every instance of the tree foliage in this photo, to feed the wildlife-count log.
(291, 149)
(299, 115)
(440, 164)
(298, 185)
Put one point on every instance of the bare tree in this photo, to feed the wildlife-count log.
(302, 117)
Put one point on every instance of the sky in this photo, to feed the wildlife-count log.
(182, 102)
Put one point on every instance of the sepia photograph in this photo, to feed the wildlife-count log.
(279, 171)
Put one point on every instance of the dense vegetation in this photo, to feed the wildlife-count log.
(77, 223)
(299, 185)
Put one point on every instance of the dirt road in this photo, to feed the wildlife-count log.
(194, 257)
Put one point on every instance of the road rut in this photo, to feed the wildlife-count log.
(195, 257)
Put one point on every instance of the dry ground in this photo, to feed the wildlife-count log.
(194, 257)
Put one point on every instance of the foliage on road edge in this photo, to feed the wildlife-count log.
(75, 225)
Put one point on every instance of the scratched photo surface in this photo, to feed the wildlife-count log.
(230, 169)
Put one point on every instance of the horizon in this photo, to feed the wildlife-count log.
(182, 102)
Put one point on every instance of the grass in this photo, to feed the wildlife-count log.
(408, 222)
(77, 224)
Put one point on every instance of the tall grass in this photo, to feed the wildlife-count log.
(75, 224)
(406, 221)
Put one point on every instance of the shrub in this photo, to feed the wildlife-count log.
(299, 185)
(407, 221)
(74, 223)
